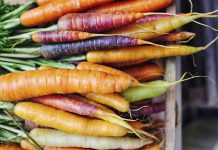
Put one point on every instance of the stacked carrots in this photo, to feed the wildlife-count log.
(101, 79)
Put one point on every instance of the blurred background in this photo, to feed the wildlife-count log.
(200, 95)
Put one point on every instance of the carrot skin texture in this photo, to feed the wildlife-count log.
(113, 100)
(175, 36)
(58, 81)
(150, 30)
(97, 22)
(65, 49)
(59, 36)
(154, 17)
(133, 6)
(139, 53)
(56, 9)
(64, 121)
(144, 72)
(44, 2)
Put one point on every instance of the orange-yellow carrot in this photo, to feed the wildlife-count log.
(64, 121)
(9, 147)
(144, 72)
(44, 2)
(140, 52)
(56, 9)
(64, 148)
(152, 29)
(133, 6)
(113, 100)
(46, 68)
(29, 84)
(97, 67)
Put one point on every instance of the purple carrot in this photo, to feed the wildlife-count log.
(72, 104)
(174, 37)
(65, 49)
(61, 36)
(153, 17)
(97, 22)
(144, 111)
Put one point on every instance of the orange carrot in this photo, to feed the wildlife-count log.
(29, 84)
(106, 69)
(64, 148)
(133, 6)
(154, 147)
(44, 2)
(27, 145)
(145, 72)
(46, 68)
(64, 121)
(56, 9)
(10, 147)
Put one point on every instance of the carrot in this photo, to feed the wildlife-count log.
(25, 144)
(58, 119)
(9, 147)
(44, 2)
(153, 17)
(61, 148)
(45, 137)
(149, 90)
(144, 72)
(46, 68)
(113, 100)
(82, 106)
(147, 126)
(175, 36)
(61, 36)
(97, 67)
(17, 86)
(97, 22)
(133, 6)
(56, 9)
(149, 30)
(109, 42)
(126, 64)
(142, 52)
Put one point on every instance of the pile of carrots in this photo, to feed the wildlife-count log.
(81, 75)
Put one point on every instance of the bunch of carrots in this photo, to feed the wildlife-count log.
(81, 74)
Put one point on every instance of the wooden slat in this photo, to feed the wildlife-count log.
(170, 114)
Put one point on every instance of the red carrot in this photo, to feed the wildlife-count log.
(144, 72)
(97, 22)
(61, 36)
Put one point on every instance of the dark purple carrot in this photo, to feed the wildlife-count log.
(65, 49)
(144, 111)
(97, 22)
(175, 36)
(61, 36)
(153, 17)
